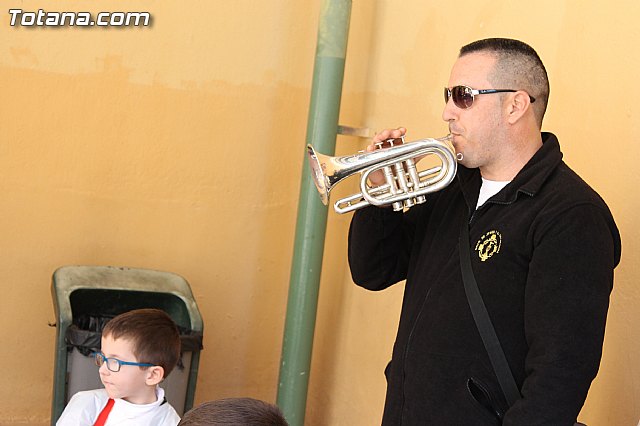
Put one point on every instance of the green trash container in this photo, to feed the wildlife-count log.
(86, 297)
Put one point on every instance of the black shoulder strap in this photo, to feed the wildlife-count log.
(483, 322)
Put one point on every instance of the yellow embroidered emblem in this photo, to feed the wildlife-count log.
(488, 245)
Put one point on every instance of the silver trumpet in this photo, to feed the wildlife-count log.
(405, 186)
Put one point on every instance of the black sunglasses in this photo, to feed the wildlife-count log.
(463, 96)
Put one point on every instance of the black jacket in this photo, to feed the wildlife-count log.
(543, 253)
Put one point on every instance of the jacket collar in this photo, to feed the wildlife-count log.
(528, 181)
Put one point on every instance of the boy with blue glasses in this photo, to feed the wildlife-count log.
(139, 349)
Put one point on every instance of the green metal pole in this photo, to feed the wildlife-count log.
(322, 128)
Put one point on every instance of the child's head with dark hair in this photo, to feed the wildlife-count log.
(139, 349)
(152, 333)
(234, 411)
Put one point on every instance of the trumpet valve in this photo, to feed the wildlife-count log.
(388, 175)
(401, 178)
(396, 141)
(409, 202)
(412, 171)
(391, 142)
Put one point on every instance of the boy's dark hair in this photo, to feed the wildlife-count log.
(518, 67)
(153, 334)
(234, 411)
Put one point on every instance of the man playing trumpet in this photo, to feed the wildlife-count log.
(543, 248)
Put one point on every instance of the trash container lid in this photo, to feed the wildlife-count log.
(68, 279)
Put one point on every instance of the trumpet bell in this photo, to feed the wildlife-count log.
(317, 173)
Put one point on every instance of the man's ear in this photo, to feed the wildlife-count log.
(154, 375)
(519, 104)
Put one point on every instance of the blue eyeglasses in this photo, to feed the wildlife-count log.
(114, 364)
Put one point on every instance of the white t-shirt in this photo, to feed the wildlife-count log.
(84, 407)
(488, 189)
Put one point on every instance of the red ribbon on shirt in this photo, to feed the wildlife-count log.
(102, 417)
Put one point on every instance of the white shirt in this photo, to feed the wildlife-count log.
(84, 407)
(488, 189)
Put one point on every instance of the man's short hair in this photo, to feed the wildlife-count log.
(234, 411)
(153, 334)
(518, 66)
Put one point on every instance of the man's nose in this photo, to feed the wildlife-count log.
(449, 111)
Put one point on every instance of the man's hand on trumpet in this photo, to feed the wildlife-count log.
(385, 135)
(380, 141)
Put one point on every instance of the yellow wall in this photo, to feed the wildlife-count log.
(179, 147)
